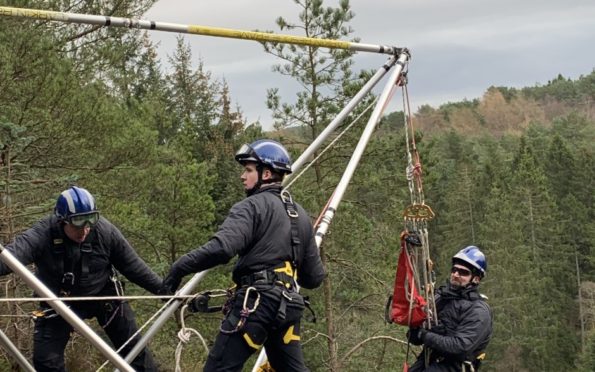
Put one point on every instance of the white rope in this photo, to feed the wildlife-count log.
(418, 225)
(96, 298)
(184, 335)
(141, 328)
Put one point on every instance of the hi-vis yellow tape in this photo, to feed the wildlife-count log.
(102, 20)
(263, 36)
(33, 13)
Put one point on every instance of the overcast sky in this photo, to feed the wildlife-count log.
(459, 47)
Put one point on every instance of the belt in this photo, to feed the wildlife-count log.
(266, 277)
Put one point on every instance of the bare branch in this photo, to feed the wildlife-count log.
(358, 346)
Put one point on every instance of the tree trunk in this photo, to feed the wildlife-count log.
(328, 312)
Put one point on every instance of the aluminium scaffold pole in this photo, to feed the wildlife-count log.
(315, 145)
(100, 20)
(402, 60)
(15, 353)
(68, 315)
(359, 149)
(160, 321)
(192, 283)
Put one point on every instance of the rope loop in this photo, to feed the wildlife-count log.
(184, 335)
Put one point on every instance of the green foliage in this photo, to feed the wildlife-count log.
(564, 89)
(322, 73)
(511, 172)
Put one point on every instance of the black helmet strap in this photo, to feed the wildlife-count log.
(259, 170)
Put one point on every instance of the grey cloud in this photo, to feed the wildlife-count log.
(459, 47)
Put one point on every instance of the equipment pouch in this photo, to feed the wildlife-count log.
(292, 306)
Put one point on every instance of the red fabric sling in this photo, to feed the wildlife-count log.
(408, 305)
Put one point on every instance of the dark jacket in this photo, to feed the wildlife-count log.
(464, 328)
(108, 247)
(258, 230)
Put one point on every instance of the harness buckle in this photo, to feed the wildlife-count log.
(86, 248)
(68, 278)
(44, 313)
(280, 276)
(288, 201)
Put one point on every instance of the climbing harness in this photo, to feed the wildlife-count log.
(112, 307)
(283, 275)
(296, 244)
(71, 261)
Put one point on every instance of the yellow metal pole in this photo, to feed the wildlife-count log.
(46, 15)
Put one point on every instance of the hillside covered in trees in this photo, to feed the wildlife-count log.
(512, 172)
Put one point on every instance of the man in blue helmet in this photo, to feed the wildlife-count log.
(75, 251)
(464, 327)
(274, 240)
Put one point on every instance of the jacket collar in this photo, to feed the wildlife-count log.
(270, 187)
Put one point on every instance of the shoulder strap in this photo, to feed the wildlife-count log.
(66, 260)
(57, 239)
(86, 249)
(293, 216)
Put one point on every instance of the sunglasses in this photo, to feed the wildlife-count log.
(461, 270)
(83, 220)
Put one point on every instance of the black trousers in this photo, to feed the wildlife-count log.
(442, 365)
(279, 335)
(52, 334)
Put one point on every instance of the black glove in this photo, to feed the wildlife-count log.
(170, 284)
(164, 291)
(413, 238)
(416, 335)
(439, 329)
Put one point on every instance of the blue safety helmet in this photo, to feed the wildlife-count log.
(473, 258)
(76, 202)
(266, 152)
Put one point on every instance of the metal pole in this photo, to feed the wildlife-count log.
(262, 358)
(340, 117)
(160, 321)
(359, 150)
(62, 309)
(296, 166)
(355, 158)
(15, 353)
(301, 160)
(45, 15)
(374, 118)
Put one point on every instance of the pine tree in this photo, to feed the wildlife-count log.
(324, 76)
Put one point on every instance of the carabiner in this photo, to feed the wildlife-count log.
(256, 301)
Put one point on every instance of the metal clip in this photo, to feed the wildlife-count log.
(68, 278)
(46, 313)
(288, 201)
(256, 301)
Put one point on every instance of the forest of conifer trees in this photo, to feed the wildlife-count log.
(512, 172)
